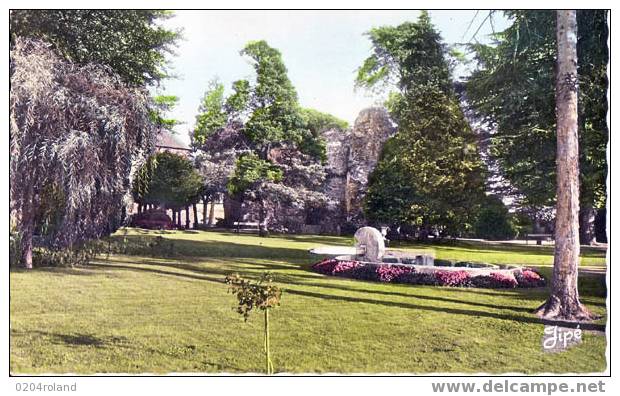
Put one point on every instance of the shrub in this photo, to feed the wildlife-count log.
(404, 274)
(14, 248)
(494, 280)
(77, 256)
(387, 273)
(417, 278)
(365, 272)
(453, 278)
(494, 222)
(528, 277)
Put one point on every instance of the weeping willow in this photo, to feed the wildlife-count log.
(78, 130)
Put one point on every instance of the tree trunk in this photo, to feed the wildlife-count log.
(187, 217)
(232, 211)
(195, 211)
(27, 228)
(586, 225)
(262, 231)
(212, 213)
(205, 203)
(600, 225)
(563, 303)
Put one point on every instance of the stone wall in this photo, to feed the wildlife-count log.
(351, 157)
(352, 154)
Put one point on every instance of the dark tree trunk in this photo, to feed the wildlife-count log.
(586, 225)
(232, 211)
(195, 210)
(262, 230)
(601, 225)
(27, 229)
(205, 203)
(563, 303)
(187, 217)
(212, 213)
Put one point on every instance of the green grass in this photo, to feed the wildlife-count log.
(145, 314)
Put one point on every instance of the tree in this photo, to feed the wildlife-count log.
(132, 42)
(563, 303)
(493, 221)
(514, 89)
(77, 134)
(163, 104)
(261, 127)
(318, 122)
(430, 173)
(274, 119)
(250, 181)
(169, 180)
(211, 115)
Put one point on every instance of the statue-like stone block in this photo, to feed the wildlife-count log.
(369, 241)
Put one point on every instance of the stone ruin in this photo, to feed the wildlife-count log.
(351, 156)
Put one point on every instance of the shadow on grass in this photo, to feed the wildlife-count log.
(457, 311)
(142, 245)
(481, 247)
(78, 270)
(75, 339)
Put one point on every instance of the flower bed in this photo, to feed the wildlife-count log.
(524, 277)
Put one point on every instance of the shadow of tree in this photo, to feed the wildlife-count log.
(531, 319)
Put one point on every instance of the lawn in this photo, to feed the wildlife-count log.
(135, 314)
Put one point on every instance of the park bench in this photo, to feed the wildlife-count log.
(239, 226)
(538, 238)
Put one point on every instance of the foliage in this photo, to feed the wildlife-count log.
(525, 277)
(169, 180)
(452, 278)
(250, 172)
(318, 122)
(529, 277)
(211, 116)
(96, 132)
(274, 112)
(15, 248)
(131, 42)
(79, 255)
(163, 104)
(430, 173)
(493, 220)
(514, 89)
(263, 295)
(274, 145)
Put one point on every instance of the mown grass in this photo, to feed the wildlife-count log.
(134, 314)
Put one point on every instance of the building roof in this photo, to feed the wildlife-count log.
(165, 139)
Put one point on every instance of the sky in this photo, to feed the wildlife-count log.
(321, 49)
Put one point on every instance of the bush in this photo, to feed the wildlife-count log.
(77, 256)
(387, 273)
(528, 277)
(14, 248)
(453, 278)
(417, 278)
(525, 277)
(494, 222)
(495, 280)
(365, 272)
